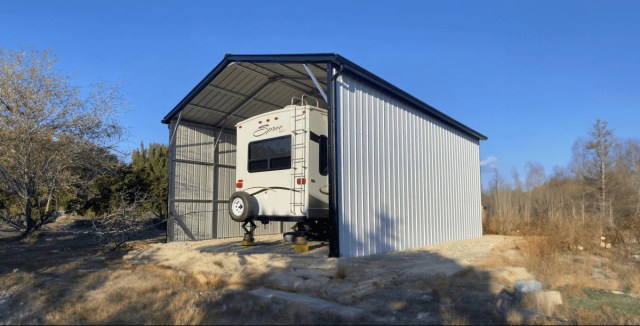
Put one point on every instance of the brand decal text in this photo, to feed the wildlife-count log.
(266, 129)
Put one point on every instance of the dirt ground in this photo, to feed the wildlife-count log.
(59, 276)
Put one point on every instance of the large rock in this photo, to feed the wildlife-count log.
(530, 292)
(310, 303)
(296, 282)
(523, 287)
(548, 301)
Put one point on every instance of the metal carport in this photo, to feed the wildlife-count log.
(376, 205)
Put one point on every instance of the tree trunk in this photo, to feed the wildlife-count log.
(46, 208)
(45, 215)
(31, 223)
(603, 189)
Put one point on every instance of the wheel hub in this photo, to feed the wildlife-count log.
(237, 206)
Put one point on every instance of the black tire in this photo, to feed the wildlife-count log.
(241, 206)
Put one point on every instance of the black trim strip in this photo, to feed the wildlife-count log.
(334, 225)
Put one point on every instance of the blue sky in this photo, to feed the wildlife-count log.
(531, 75)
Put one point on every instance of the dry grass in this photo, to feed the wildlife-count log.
(567, 272)
(627, 273)
(566, 255)
(450, 316)
(515, 318)
(552, 253)
(398, 305)
(604, 307)
(148, 294)
(123, 294)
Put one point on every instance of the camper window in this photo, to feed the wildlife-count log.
(270, 154)
(324, 162)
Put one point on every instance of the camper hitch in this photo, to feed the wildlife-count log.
(247, 239)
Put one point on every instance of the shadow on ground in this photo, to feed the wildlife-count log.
(60, 277)
(52, 268)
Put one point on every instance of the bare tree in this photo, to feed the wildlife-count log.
(124, 220)
(535, 175)
(503, 211)
(600, 146)
(624, 185)
(49, 131)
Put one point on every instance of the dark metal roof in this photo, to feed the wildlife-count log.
(233, 90)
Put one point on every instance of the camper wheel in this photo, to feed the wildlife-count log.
(241, 206)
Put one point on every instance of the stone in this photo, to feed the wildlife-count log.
(346, 299)
(548, 301)
(426, 297)
(422, 316)
(527, 286)
(339, 290)
(312, 303)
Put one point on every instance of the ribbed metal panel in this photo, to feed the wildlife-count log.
(197, 217)
(192, 180)
(194, 143)
(269, 85)
(202, 179)
(405, 179)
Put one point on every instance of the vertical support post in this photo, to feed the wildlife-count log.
(171, 188)
(334, 231)
(216, 186)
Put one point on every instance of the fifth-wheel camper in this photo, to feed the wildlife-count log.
(282, 169)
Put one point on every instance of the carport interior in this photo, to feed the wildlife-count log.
(202, 137)
(244, 89)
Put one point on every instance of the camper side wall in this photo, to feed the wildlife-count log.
(317, 171)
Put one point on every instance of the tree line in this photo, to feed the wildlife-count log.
(598, 192)
(58, 148)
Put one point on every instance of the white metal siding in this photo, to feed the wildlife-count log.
(405, 179)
